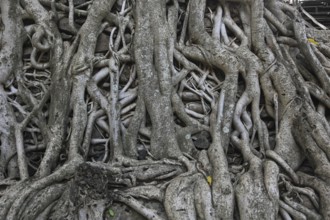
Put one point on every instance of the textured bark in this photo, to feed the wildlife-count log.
(175, 109)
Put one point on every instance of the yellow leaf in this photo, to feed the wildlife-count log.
(209, 180)
(311, 40)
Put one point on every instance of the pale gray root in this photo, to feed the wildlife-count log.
(322, 188)
(222, 189)
(255, 198)
(10, 62)
(82, 69)
(10, 210)
(310, 214)
(133, 129)
(7, 137)
(134, 85)
(147, 192)
(59, 65)
(179, 198)
(148, 213)
(37, 202)
(203, 200)
(154, 78)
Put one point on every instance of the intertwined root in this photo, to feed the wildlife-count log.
(96, 96)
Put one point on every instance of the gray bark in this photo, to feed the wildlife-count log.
(174, 109)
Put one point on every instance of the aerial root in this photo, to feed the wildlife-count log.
(277, 158)
(203, 199)
(22, 193)
(37, 202)
(310, 214)
(148, 213)
(179, 197)
(323, 190)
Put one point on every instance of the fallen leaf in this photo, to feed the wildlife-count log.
(209, 180)
(111, 212)
(311, 40)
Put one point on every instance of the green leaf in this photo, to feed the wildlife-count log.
(111, 212)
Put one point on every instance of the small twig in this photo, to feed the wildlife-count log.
(71, 17)
(275, 98)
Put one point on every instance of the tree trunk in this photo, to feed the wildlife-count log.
(173, 109)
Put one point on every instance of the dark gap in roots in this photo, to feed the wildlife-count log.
(27, 49)
(177, 65)
(124, 76)
(315, 101)
(34, 160)
(235, 157)
(177, 121)
(169, 3)
(202, 140)
(143, 146)
(43, 56)
(96, 152)
(45, 108)
(104, 84)
(212, 4)
(255, 144)
(327, 114)
(240, 86)
(70, 115)
(302, 60)
(306, 168)
(26, 135)
(148, 120)
(143, 138)
(28, 21)
(208, 24)
(65, 33)
(142, 153)
(180, 20)
(86, 96)
(219, 74)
